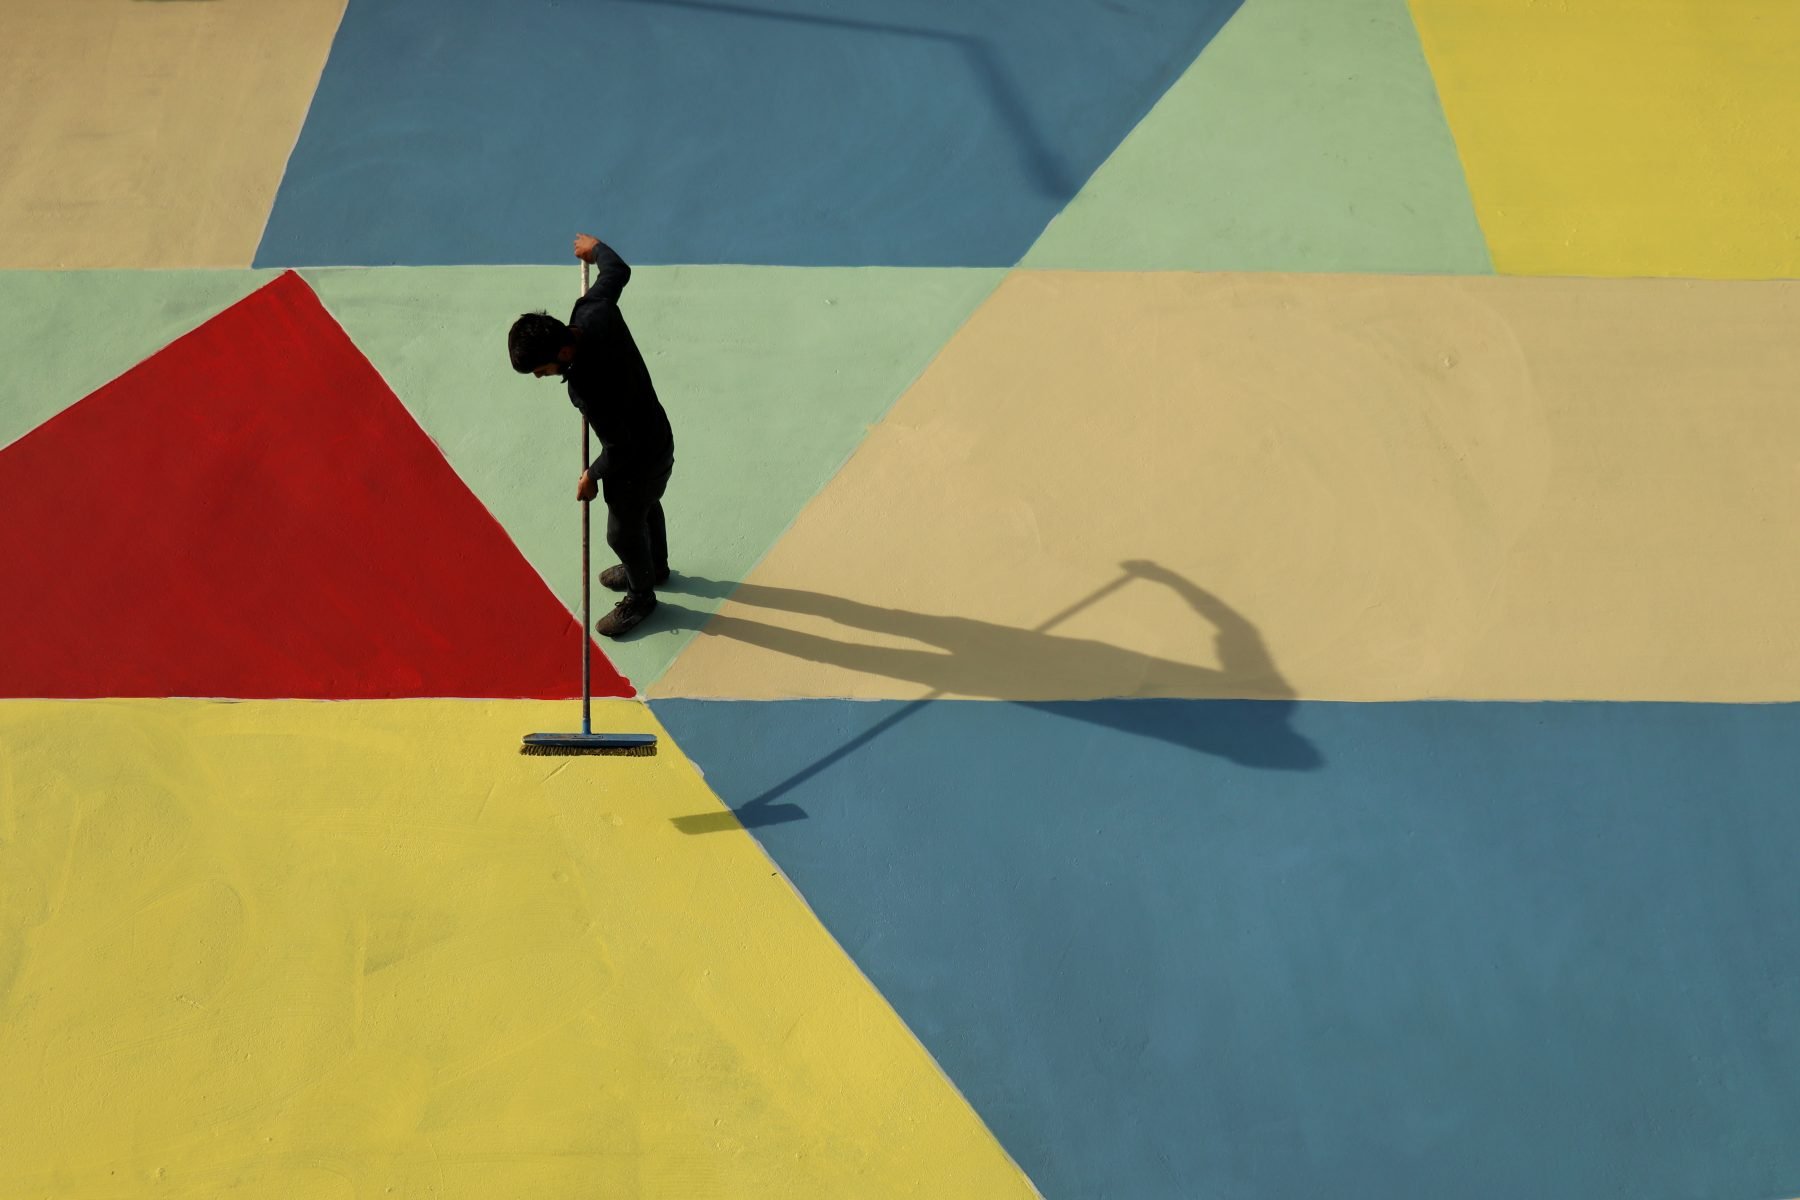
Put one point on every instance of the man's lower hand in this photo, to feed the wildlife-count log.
(585, 488)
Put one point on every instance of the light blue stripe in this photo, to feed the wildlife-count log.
(1227, 948)
(855, 133)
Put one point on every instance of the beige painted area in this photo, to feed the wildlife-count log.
(1359, 488)
(150, 133)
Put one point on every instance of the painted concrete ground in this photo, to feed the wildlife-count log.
(1232, 632)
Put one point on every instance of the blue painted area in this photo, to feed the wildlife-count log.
(1473, 950)
(854, 132)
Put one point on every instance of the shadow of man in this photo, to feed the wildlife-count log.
(1250, 723)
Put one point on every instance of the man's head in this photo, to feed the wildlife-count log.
(540, 345)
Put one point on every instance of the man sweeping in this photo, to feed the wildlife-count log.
(608, 381)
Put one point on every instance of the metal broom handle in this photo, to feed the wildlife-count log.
(586, 583)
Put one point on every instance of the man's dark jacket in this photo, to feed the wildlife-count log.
(609, 382)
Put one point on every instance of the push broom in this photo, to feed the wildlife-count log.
(587, 741)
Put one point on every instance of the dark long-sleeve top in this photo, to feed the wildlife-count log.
(609, 382)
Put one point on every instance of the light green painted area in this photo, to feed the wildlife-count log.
(771, 375)
(1306, 137)
(65, 333)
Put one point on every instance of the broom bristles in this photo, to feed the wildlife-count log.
(626, 751)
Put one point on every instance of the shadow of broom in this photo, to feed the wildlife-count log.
(763, 810)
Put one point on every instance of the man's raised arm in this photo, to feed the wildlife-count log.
(612, 275)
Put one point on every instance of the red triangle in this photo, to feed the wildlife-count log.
(252, 513)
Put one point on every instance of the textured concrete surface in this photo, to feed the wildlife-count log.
(142, 133)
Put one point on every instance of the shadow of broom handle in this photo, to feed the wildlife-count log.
(1088, 601)
(886, 723)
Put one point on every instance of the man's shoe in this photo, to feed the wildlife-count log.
(613, 578)
(626, 615)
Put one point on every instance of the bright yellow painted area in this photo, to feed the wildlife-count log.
(1626, 137)
(150, 133)
(1357, 488)
(288, 949)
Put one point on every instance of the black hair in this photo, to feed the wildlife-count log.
(535, 340)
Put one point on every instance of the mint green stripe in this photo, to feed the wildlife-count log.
(1306, 137)
(65, 333)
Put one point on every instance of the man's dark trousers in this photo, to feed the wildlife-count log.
(634, 522)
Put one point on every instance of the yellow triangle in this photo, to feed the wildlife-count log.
(330, 949)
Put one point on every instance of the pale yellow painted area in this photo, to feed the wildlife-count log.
(1357, 488)
(288, 949)
(150, 133)
(1626, 137)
